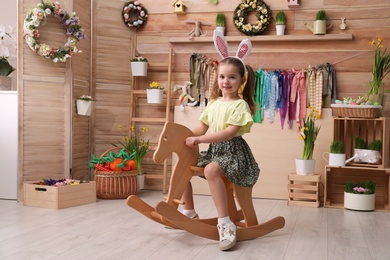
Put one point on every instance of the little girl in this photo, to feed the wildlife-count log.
(227, 117)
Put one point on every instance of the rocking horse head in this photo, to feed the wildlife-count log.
(172, 140)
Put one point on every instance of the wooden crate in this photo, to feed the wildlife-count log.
(336, 177)
(304, 190)
(346, 129)
(58, 197)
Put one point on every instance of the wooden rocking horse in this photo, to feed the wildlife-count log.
(166, 212)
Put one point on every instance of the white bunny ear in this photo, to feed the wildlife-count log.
(244, 49)
(221, 44)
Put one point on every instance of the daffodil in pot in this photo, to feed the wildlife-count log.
(85, 105)
(154, 93)
(135, 141)
(308, 132)
(7, 50)
(380, 68)
(139, 66)
(360, 195)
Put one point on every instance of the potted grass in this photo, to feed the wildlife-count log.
(336, 155)
(220, 23)
(320, 24)
(280, 20)
(360, 195)
(367, 153)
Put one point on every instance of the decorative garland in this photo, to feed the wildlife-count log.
(134, 15)
(240, 17)
(74, 31)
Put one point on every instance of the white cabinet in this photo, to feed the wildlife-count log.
(8, 144)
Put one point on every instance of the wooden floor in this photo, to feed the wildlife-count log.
(109, 229)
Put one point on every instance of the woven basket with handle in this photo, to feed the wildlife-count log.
(115, 184)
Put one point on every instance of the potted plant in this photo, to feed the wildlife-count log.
(7, 50)
(308, 133)
(320, 24)
(280, 20)
(220, 23)
(136, 143)
(84, 105)
(154, 93)
(139, 66)
(359, 196)
(336, 155)
(367, 153)
(380, 69)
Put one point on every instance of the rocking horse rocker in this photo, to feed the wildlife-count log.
(166, 212)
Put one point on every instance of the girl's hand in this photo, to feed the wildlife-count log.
(191, 141)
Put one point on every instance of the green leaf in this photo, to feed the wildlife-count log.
(214, 2)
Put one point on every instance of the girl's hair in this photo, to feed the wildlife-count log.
(249, 89)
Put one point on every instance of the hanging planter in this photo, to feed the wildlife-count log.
(85, 105)
(154, 93)
(139, 67)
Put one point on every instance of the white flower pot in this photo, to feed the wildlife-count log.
(367, 156)
(359, 201)
(305, 167)
(220, 29)
(154, 96)
(141, 181)
(335, 159)
(139, 68)
(280, 29)
(84, 107)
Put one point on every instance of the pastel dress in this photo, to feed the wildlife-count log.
(233, 156)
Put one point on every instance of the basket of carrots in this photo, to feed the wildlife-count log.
(115, 174)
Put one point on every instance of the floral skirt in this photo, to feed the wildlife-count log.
(235, 159)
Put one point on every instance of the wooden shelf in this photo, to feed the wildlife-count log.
(268, 38)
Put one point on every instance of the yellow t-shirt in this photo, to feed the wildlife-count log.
(219, 115)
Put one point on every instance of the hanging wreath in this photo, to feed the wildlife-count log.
(134, 15)
(240, 17)
(37, 17)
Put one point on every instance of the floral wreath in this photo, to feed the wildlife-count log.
(240, 17)
(74, 31)
(134, 15)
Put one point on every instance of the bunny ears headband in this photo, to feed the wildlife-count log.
(222, 47)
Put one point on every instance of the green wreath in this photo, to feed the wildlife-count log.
(263, 14)
(74, 31)
(134, 15)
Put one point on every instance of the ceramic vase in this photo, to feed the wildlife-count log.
(154, 95)
(84, 107)
(304, 167)
(364, 202)
(139, 68)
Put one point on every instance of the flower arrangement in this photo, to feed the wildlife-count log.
(135, 143)
(134, 15)
(367, 187)
(155, 85)
(381, 67)
(308, 133)
(7, 50)
(86, 98)
(74, 31)
(60, 182)
(240, 17)
(139, 58)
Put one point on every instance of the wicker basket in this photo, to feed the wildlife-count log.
(360, 111)
(115, 184)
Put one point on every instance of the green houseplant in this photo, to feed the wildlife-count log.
(336, 146)
(359, 195)
(367, 153)
(320, 23)
(321, 15)
(280, 20)
(220, 23)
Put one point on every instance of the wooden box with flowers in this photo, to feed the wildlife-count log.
(58, 194)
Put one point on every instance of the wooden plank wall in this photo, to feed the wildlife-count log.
(47, 102)
(111, 48)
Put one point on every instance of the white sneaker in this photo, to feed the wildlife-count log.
(227, 235)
